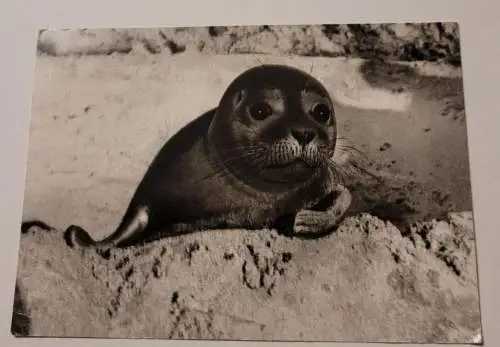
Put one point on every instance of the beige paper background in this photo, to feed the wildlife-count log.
(479, 31)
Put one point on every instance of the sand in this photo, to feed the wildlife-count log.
(401, 267)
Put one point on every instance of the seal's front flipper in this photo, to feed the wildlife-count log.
(326, 215)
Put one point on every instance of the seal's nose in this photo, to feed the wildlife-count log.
(304, 136)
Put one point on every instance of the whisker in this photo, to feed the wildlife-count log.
(242, 147)
(352, 169)
(336, 173)
(352, 150)
(368, 172)
(343, 143)
(309, 78)
(251, 144)
(260, 61)
(232, 153)
(253, 162)
(221, 165)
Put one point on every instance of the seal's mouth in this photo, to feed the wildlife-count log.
(298, 163)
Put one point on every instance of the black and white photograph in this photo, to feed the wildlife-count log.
(258, 183)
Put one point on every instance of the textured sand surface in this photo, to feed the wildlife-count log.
(99, 120)
(364, 283)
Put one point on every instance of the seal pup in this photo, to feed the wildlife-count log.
(262, 155)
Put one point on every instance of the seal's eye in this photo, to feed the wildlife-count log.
(321, 113)
(260, 111)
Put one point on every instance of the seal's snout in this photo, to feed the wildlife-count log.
(303, 136)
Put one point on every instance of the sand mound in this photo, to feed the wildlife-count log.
(365, 282)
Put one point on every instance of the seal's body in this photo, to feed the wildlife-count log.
(262, 155)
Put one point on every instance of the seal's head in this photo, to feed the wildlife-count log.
(274, 124)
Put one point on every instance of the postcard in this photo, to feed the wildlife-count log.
(264, 183)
